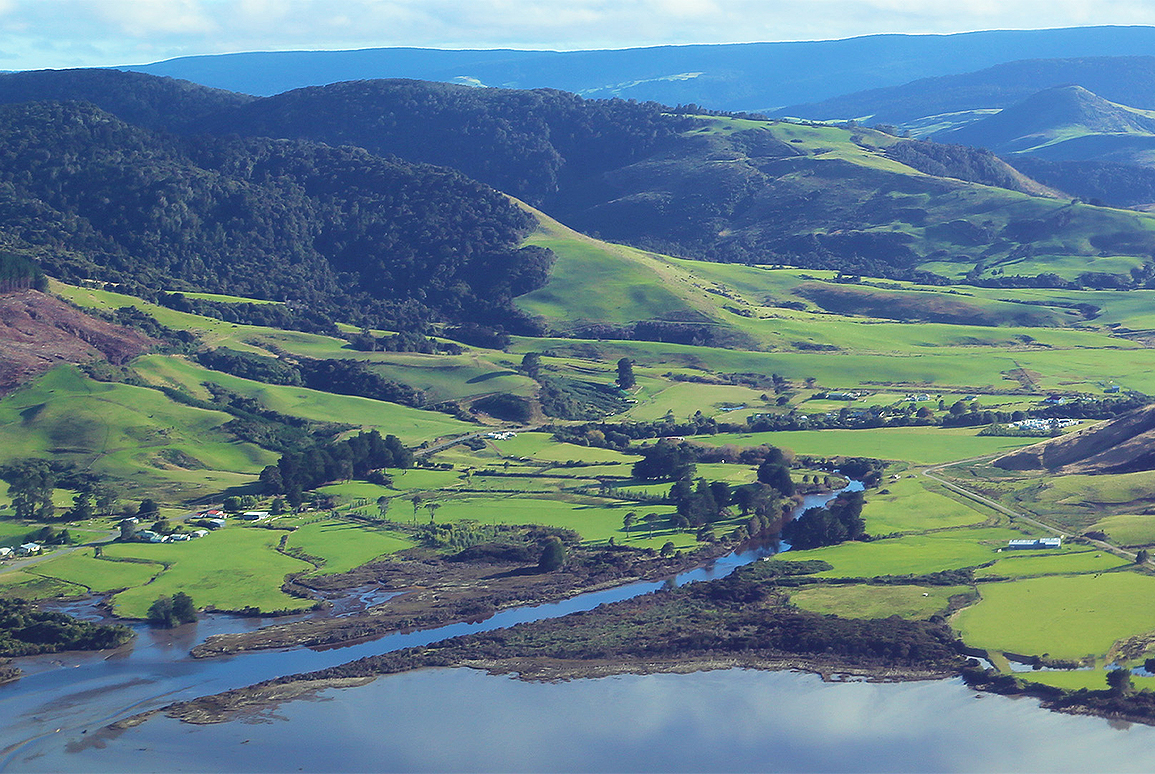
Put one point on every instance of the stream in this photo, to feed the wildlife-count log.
(64, 697)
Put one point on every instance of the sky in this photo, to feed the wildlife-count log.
(38, 34)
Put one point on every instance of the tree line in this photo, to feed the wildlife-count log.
(357, 457)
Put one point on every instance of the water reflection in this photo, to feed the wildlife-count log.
(734, 720)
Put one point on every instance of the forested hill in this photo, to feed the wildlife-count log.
(676, 180)
(337, 229)
(143, 100)
(531, 144)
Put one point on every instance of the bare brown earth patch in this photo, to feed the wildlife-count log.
(39, 332)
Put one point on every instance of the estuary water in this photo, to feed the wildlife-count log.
(462, 720)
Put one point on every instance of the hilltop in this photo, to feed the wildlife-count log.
(1123, 445)
(930, 105)
(1065, 123)
(742, 77)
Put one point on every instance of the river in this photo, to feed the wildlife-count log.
(463, 720)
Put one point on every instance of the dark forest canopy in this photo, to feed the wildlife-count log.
(334, 228)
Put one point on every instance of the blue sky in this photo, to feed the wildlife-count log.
(78, 33)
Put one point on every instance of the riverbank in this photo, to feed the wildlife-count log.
(434, 591)
(742, 620)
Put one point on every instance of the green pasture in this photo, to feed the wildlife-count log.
(973, 369)
(1077, 501)
(1128, 529)
(230, 569)
(1068, 267)
(225, 299)
(541, 447)
(917, 445)
(134, 434)
(1067, 617)
(26, 585)
(684, 399)
(632, 284)
(910, 554)
(451, 377)
(97, 575)
(12, 533)
(914, 504)
(345, 544)
(595, 520)
(1064, 562)
(865, 601)
(409, 424)
(1078, 679)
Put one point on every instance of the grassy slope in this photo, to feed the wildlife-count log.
(1068, 617)
(124, 432)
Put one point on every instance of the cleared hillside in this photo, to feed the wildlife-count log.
(39, 332)
(1123, 445)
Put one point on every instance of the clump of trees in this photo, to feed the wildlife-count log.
(168, 612)
(839, 521)
(342, 377)
(299, 471)
(25, 631)
(32, 481)
(666, 460)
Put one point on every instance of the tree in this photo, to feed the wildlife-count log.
(531, 364)
(628, 521)
(651, 519)
(105, 497)
(1141, 556)
(160, 612)
(277, 507)
(552, 554)
(167, 612)
(81, 507)
(1119, 681)
(432, 508)
(416, 500)
(383, 506)
(667, 548)
(183, 609)
(777, 475)
(626, 378)
(30, 485)
(127, 529)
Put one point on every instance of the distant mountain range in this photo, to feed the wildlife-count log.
(737, 77)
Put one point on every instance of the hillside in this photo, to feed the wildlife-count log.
(39, 332)
(1123, 445)
(717, 188)
(1064, 123)
(336, 230)
(747, 77)
(139, 99)
(930, 105)
(711, 187)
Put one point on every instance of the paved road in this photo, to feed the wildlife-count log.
(20, 564)
(931, 473)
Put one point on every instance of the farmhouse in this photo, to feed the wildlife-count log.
(254, 515)
(28, 549)
(5, 552)
(1051, 542)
